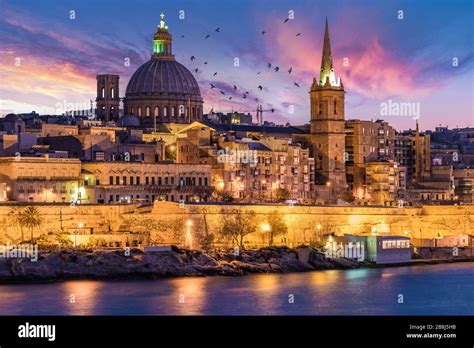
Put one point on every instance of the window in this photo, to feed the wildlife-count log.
(112, 93)
(335, 107)
(165, 111)
(147, 111)
(131, 180)
(103, 92)
(147, 180)
(139, 110)
(111, 180)
(117, 180)
(124, 179)
(157, 111)
(138, 180)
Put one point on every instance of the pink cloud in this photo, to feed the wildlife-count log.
(373, 71)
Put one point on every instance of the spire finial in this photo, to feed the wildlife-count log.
(162, 21)
(327, 67)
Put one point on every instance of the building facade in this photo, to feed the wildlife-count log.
(41, 179)
(125, 182)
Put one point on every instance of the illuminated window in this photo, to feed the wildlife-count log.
(147, 111)
(139, 110)
(157, 111)
(165, 111)
(103, 92)
(112, 93)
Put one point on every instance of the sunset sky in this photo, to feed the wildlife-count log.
(409, 59)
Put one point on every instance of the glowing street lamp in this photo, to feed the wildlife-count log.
(373, 230)
(266, 227)
(188, 237)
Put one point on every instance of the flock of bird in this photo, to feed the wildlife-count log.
(243, 94)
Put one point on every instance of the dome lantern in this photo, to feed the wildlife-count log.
(162, 41)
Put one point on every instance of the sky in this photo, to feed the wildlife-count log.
(386, 53)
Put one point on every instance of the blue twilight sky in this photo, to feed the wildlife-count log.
(48, 58)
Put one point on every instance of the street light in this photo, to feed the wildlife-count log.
(188, 237)
(373, 230)
(79, 225)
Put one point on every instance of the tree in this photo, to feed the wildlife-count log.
(236, 224)
(15, 215)
(347, 196)
(30, 218)
(282, 194)
(323, 226)
(277, 225)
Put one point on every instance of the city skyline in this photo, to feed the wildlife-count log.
(59, 62)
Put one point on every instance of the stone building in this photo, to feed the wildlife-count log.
(384, 183)
(266, 170)
(163, 90)
(327, 130)
(40, 179)
(125, 182)
(366, 141)
(108, 97)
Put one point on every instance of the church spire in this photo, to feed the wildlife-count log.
(327, 67)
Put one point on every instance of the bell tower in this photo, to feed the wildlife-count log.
(108, 100)
(327, 126)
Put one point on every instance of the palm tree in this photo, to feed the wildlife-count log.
(31, 219)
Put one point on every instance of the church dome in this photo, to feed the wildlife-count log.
(162, 78)
(128, 121)
(163, 90)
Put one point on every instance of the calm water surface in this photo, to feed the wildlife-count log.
(427, 290)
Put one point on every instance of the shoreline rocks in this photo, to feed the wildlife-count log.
(67, 264)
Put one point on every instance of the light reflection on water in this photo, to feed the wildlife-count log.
(437, 289)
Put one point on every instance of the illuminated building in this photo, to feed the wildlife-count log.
(163, 90)
(41, 179)
(327, 128)
(127, 182)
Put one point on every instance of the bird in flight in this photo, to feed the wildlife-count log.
(263, 32)
(230, 98)
(269, 65)
(298, 34)
(192, 58)
(222, 92)
(289, 71)
(260, 87)
(215, 74)
(297, 85)
(207, 36)
(212, 86)
(244, 96)
(218, 30)
(276, 69)
(205, 63)
(286, 20)
(259, 73)
(196, 70)
(235, 87)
